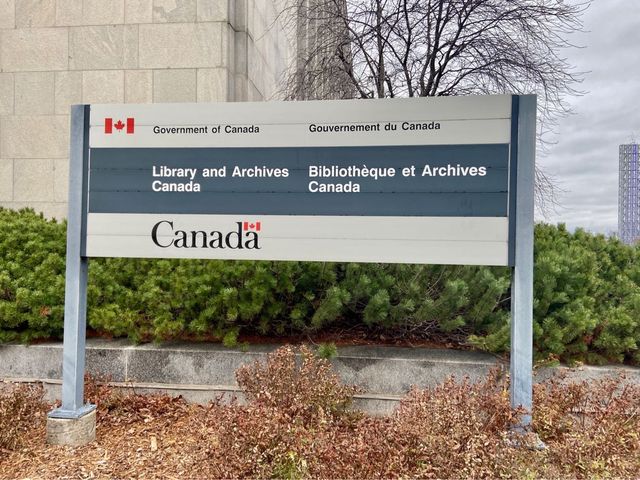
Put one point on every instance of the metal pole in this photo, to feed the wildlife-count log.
(522, 287)
(75, 300)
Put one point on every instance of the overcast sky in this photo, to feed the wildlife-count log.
(584, 161)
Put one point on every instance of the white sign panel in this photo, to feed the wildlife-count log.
(420, 180)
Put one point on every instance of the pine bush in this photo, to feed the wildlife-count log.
(586, 306)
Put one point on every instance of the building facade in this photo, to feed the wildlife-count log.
(629, 194)
(56, 53)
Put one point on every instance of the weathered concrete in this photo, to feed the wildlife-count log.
(7, 13)
(138, 86)
(103, 86)
(177, 85)
(181, 45)
(17, 139)
(35, 13)
(138, 11)
(34, 50)
(165, 11)
(103, 47)
(204, 372)
(68, 91)
(6, 179)
(96, 12)
(34, 93)
(7, 91)
(73, 432)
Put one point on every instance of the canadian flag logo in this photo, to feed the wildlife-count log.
(246, 226)
(109, 125)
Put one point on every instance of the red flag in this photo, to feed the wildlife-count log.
(251, 226)
(119, 126)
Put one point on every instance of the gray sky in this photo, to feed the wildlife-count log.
(584, 160)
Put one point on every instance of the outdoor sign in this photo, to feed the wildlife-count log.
(446, 180)
(406, 180)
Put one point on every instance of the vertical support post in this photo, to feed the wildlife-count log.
(75, 300)
(522, 287)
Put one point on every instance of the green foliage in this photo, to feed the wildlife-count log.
(414, 297)
(590, 310)
(587, 295)
(587, 298)
(32, 263)
(327, 350)
(293, 467)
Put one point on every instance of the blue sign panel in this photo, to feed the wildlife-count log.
(462, 180)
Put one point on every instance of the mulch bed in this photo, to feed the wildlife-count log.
(289, 429)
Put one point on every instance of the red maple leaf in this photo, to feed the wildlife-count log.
(119, 125)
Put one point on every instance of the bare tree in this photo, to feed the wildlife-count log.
(393, 48)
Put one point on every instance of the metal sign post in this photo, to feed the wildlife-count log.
(74, 422)
(444, 180)
(522, 284)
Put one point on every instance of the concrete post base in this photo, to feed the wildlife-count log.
(74, 432)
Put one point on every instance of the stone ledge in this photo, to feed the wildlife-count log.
(204, 372)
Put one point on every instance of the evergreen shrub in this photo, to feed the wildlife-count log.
(587, 295)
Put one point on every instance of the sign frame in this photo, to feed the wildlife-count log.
(520, 258)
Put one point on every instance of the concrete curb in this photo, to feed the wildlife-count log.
(205, 372)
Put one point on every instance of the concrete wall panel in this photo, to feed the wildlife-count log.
(165, 46)
(213, 10)
(67, 91)
(33, 180)
(101, 12)
(37, 50)
(170, 86)
(34, 93)
(212, 85)
(6, 180)
(138, 86)
(138, 11)
(34, 136)
(35, 13)
(6, 93)
(99, 47)
(7, 14)
(103, 86)
(176, 11)
(131, 46)
(68, 12)
(60, 179)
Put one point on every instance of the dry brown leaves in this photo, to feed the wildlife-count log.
(457, 430)
(21, 410)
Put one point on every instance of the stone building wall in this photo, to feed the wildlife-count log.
(55, 53)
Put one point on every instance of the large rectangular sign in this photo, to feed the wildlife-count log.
(420, 180)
